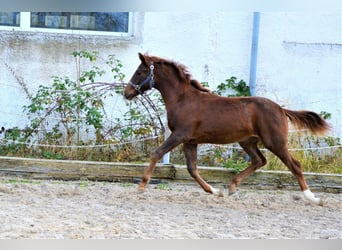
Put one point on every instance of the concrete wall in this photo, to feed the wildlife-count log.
(299, 60)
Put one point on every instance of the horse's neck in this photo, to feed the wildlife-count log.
(172, 91)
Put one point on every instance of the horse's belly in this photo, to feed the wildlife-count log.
(222, 138)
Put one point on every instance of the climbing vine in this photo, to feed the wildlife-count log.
(71, 111)
(231, 87)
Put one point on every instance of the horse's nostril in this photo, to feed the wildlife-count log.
(129, 96)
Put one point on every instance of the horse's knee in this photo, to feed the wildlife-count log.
(258, 163)
(192, 171)
(156, 155)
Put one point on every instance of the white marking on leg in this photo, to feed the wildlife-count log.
(216, 191)
(311, 197)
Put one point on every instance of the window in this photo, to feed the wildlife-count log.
(10, 18)
(117, 23)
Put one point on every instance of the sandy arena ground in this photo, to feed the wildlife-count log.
(100, 210)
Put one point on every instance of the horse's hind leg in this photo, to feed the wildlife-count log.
(295, 167)
(190, 151)
(279, 148)
(257, 161)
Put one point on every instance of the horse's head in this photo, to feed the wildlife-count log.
(142, 79)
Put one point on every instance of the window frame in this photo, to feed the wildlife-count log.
(25, 25)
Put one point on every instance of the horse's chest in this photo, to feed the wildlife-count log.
(181, 120)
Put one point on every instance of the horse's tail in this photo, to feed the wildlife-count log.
(308, 120)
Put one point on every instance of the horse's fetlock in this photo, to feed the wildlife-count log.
(232, 188)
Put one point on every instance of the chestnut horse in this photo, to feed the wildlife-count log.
(196, 116)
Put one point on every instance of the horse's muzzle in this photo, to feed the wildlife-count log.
(130, 94)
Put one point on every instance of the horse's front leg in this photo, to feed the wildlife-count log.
(170, 143)
(190, 151)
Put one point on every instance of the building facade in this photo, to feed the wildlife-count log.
(299, 59)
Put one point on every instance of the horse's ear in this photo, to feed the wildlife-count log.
(142, 59)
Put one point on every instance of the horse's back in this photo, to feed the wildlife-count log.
(261, 115)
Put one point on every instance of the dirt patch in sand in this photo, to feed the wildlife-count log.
(101, 210)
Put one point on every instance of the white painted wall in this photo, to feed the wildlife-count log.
(214, 46)
(299, 59)
(300, 62)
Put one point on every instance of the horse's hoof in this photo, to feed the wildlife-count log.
(232, 192)
(321, 203)
(141, 189)
(217, 192)
(311, 197)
